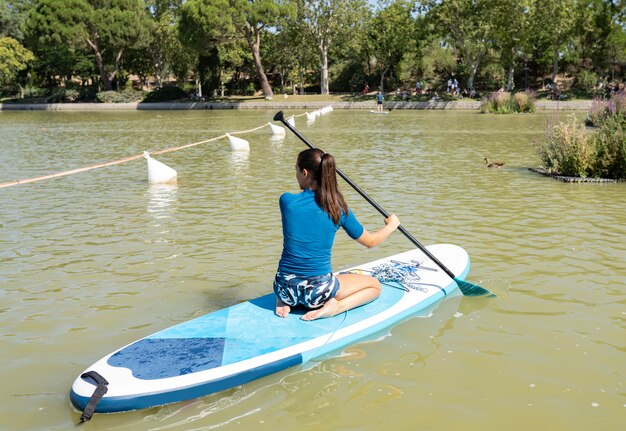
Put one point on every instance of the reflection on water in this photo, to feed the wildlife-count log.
(162, 200)
(94, 261)
(277, 139)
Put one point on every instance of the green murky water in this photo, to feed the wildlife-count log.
(93, 261)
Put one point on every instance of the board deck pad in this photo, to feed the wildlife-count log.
(234, 345)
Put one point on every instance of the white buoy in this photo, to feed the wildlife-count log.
(292, 120)
(159, 173)
(310, 116)
(238, 144)
(277, 130)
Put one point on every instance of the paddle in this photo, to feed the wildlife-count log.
(467, 288)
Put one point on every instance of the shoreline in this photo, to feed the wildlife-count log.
(582, 105)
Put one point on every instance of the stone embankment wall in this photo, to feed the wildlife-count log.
(437, 105)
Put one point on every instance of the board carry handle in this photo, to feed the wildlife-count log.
(101, 389)
(466, 288)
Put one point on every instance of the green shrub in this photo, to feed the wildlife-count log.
(165, 94)
(610, 148)
(507, 103)
(125, 96)
(63, 95)
(525, 101)
(250, 89)
(586, 81)
(568, 150)
(601, 110)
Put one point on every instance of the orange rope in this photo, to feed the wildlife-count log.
(117, 162)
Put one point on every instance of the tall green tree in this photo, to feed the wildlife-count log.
(12, 16)
(330, 20)
(207, 23)
(551, 25)
(107, 27)
(468, 26)
(512, 19)
(13, 59)
(391, 35)
(293, 45)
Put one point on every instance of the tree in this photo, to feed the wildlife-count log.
(13, 15)
(13, 59)
(511, 18)
(107, 27)
(165, 54)
(218, 21)
(551, 25)
(292, 48)
(390, 36)
(328, 20)
(468, 27)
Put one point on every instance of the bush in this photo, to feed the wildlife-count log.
(567, 150)
(165, 94)
(586, 81)
(63, 95)
(250, 89)
(125, 96)
(600, 109)
(610, 148)
(506, 103)
(525, 102)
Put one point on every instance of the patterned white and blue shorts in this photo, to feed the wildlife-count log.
(312, 292)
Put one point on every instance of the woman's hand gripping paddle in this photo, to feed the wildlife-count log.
(468, 289)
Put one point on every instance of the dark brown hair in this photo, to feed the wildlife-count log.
(321, 167)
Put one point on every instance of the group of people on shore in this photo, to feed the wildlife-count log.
(609, 89)
(453, 90)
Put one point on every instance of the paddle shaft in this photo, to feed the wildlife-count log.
(279, 117)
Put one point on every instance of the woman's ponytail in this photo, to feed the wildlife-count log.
(322, 167)
(328, 195)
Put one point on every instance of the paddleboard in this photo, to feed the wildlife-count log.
(246, 341)
(378, 112)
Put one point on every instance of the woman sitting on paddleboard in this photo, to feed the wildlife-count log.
(310, 220)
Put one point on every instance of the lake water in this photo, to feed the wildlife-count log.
(93, 261)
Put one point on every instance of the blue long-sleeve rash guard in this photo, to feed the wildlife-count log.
(309, 234)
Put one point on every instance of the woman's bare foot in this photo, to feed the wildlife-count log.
(330, 309)
(282, 309)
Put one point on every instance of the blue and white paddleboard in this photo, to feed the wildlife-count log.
(373, 111)
(241, 343)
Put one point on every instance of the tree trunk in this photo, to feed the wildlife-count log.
(382, 79)
(511, 78)
(104, 77)
(323, 68)
(555, 64)
(302, 81)
(117, 69)
(254, 41)
(198, 84)
(474, 70)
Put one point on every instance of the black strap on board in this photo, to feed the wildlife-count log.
(97, 395)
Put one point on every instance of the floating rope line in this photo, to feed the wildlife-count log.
(128, 159)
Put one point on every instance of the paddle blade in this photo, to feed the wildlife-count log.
(469, 289)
